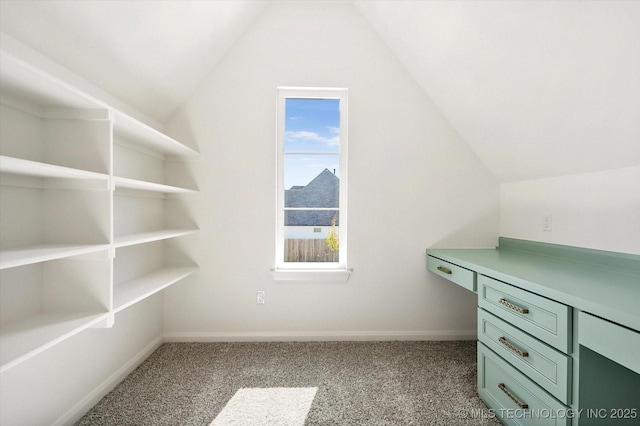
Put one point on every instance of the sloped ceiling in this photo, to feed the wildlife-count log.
(536, 89)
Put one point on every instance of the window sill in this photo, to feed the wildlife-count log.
(326, 275)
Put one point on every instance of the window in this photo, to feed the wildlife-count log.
(311, 181)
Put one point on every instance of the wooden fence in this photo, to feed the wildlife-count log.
(308, 250)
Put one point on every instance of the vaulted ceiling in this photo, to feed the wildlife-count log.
(536, 89)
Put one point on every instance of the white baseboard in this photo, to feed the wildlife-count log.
(84, 405)
(310, 336)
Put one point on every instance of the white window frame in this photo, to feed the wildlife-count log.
(323, 271)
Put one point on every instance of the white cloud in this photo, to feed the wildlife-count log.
(304, 135)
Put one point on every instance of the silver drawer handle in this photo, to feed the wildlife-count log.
(445, 270)
(503, 388)
(513, 307)
(512, 348)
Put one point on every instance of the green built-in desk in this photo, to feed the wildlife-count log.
(558, 330)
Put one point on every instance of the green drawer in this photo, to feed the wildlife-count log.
(544, 365)
(545, 319)
(619, 344)
(457, 274)
(503, 388)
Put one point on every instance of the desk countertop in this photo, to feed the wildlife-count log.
(610, 290)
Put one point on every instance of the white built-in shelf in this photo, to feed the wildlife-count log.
(148, 237)
(44, 252)
(79, 133)
(127, 293)
(21, 80)
(23, 339)
(134, 131)
(18, 166)
(24, 81)
(126, 183)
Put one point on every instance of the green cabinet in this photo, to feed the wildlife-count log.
(512, 396)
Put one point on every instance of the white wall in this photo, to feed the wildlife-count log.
(599, 210)
(413, 184)
(62, 383)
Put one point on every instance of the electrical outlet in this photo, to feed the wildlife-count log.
(260, 297)
(546, 222)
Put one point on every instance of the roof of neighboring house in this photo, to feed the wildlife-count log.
(322, 191)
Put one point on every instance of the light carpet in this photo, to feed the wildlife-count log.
(267, 407)
(358, 383)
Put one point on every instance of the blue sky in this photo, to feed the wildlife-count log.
(311, 126)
